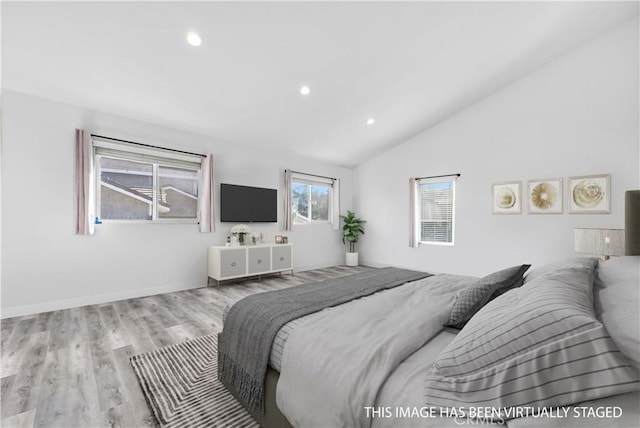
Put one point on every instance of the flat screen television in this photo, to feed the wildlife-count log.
(244, 204)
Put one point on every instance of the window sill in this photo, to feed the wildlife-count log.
(164, 221)
(313, 223)
(441, 244)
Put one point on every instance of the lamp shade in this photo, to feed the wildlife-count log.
(601, 242)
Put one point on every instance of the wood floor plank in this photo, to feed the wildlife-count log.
(159, 336)
(6, 386)
(52, 406)
(28, 379)
(122, 416)
(15, 347)
(110, 390)
(116, 333)
(22, 420)
(197, 323)
(104, 369)
(83, 402)
(71, 368)
(7, 327)
(43, 321)
(139, 414)
(138, 336)
(163, 315)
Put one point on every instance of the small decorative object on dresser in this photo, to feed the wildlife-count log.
(257, 238)
(241, 231)
(279, 239)
(351, 230)
(589, 194)
(507, 197)
(545, 196)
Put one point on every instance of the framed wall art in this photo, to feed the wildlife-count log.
(590, 194)
(545, 196)
(507, 197)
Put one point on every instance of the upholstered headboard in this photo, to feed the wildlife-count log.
(632, 223)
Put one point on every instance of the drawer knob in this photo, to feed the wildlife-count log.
(281, 259)
(233, 264)
(259, 261)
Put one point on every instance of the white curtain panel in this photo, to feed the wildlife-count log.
(336, 204)
(288, 212)
(413, 209)
(84, 207)
(207, 196)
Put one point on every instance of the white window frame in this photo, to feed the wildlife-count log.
(298, 177)
(418, 208)
(157, 157)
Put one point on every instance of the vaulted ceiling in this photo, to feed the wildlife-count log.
(407, 65)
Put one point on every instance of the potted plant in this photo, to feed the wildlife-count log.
(351, 230)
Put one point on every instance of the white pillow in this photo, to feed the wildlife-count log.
(617, 303)
(554, 266)
(539, 345)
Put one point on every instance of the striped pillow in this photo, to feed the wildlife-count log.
(538, 345)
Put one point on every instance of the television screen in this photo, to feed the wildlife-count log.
(244, 204)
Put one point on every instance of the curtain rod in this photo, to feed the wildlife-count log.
(439, 176)
(312, 175)
(148, 145)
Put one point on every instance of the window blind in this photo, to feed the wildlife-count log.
(436, 201)
(167, 157)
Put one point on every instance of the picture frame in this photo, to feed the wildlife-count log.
(279, 239)
(590, 194)
(544, 196)
(285, 240)
(507, 197)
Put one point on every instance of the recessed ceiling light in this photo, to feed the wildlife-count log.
(305, 90)
(194, 39)
(371, 121)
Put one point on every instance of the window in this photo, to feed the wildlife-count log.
(311, 199)
(136, 182)
(435, 201)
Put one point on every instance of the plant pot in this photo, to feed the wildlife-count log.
(352, 259)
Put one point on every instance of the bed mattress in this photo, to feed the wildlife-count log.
(279, 342)
(405, 385)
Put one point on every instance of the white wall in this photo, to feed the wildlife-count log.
(575, 116)
(45, 266)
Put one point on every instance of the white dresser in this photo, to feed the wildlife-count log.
(250, 260)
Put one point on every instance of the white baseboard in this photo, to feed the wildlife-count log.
(371, 263)
(17, 311)
(312, 267)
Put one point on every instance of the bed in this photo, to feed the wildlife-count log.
(557, 346)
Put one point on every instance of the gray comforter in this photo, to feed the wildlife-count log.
(328, 378)
(253, 322)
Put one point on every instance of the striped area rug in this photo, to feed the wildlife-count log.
(180, 383)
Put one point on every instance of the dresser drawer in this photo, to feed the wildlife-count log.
(233, 262)
(259, 259)
(281, 257)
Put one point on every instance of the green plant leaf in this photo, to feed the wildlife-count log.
(352, 229)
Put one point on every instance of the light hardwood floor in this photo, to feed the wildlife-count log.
(70, 368)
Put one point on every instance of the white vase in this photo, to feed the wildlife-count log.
(352, 259)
